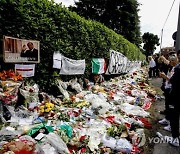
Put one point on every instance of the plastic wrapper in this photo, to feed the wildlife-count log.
(36, 130)
(20, 116)
(68, 129)
(138, 93)
(30, 93)
(46, 148)
(62, 88)
(81, 94)
(98, 103)
(75, 85)
(123, 145)
(8, 133)
(133, 110)
(5, 114)
(57, 143)
(132, 121)
(93, 143)
(109, 142)
(10, 91)
(24, 129)
(130, 99)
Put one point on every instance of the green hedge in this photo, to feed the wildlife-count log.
(58, 29)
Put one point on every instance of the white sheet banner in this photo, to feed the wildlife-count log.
(57, 57)
(117, 63)
(25, 70)
(72, 67)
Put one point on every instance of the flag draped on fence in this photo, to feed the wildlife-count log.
(98, 65)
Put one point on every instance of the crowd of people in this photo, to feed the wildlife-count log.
(167, 67)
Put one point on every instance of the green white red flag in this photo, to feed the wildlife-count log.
(98, 66)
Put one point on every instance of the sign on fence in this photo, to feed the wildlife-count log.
(17, 50)
(25, 70)
(117, 63)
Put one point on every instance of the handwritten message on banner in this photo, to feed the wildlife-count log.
(117, 63)
(70, 66)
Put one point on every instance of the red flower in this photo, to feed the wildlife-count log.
(83, 150)
(72, 149)
(82, 138)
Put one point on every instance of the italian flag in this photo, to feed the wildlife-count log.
(98, 66)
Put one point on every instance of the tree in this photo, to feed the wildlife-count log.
(150, 41)
(119, 15)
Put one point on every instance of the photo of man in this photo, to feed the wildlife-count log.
(20, 50)
(31, 53)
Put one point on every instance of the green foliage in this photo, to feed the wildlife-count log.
(116, 130)
(58, 29)
(150, 41)
(119, 15)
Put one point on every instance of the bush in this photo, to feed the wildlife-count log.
(58, 29)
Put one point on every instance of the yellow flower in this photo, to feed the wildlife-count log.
(41, 110)
(47, 110)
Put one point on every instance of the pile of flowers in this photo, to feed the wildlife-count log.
(10, 74)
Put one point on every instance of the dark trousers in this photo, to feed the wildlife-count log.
(174, 119)
(167, 103)
(157, 71)
(152, 72)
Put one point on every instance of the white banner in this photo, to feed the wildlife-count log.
(25, 70)
(117, 63)
(70, 66)
(57, 57)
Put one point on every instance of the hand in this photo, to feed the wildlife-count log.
(163, 75)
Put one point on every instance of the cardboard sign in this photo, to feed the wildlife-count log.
(57, 58)
(25, 70)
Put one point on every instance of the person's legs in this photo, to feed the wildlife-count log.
(154, 71)
(157, 71)
(167, 103)
(174, 121)
(167, 111)
(150, 72)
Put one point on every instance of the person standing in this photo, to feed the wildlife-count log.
(152, 65)
(174, 107)
(173, 61)
(157, 65)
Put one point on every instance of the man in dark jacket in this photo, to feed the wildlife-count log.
(31, 54)
(175, 107)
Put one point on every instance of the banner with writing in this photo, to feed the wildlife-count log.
(117, 63)
(25, 70)
(72, 67)
(57, 58)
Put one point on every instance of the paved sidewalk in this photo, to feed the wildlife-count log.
(160, 148)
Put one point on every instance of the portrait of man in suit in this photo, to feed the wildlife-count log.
(31, 53)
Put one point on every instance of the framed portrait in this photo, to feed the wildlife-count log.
(17, 50)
